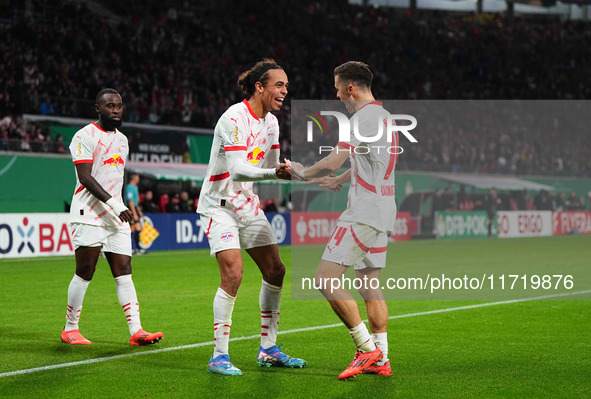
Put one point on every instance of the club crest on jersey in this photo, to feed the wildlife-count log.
(227, 236)
(114, 160)
(255, 156)
(236, 136)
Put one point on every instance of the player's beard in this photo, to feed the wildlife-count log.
(110, 124)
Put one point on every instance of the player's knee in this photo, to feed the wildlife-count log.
(234, 277)
(85, 275)
(364, 292)
(370, 294)
(275, 271)
(85, 271)
(121, 269)
(363, 289)
(279, 269)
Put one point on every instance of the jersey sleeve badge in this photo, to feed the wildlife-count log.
(236, 136)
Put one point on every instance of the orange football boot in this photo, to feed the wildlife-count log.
(142, 338)
(74, 338)
(384, 369)
(361, 361)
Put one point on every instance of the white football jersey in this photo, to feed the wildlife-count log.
(371, 195)
(238, 129)
(107, 152)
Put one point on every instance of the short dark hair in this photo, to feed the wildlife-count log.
(101, 93)
(258, 73)
(355, 72)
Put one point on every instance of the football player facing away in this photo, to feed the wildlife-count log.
(245, 149)
(360, 238)
(99, 220)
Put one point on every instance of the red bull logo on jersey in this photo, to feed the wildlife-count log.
(255, 156)
(114, 160)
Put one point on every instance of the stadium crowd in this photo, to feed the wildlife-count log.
(495, 200)
(185, 202)
(178, 64)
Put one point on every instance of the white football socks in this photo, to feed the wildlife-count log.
(269, 301)
(362, 339)
(223, 305)
(128, 301)
(76, 292)
(381, 340)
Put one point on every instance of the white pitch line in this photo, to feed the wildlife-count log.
(305, 329)
(8, 165)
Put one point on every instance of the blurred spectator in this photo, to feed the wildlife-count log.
(542, 201)
(560, 202)
(48, 145)
(132, 200)
(437, 203)
(525, 203)
(513, 204)
(37, 138)
(271, 205)
(286, 204)
(3, 139)
(465, 203)
(553, 201)
(574, 203)
(47, 107)
(529, 202)
(173, 205)
(164, 200)
(25, 142)
(59, 144)
(419, 55)
(148, 205)
(492, 204)
(448, 200)
(186, 204)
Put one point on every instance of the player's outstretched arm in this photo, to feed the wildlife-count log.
(84, 171)
(240, 170)
(332, 181)
(324, 167)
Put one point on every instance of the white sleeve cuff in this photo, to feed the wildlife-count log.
(116, 206)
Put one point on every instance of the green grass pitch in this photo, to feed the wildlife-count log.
(538, 348)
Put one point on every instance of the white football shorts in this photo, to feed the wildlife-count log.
(112, 239)
(225, 231)
(358, 245)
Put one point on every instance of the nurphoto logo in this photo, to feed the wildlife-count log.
(386, 125)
